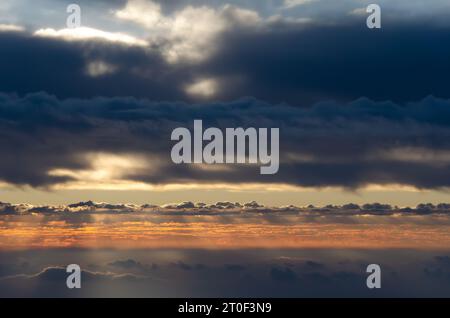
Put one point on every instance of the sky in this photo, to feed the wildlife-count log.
(87, 115)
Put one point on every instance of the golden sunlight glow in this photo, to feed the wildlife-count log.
(206, 232)
(203, 88)
(85, 33)
(106, 172)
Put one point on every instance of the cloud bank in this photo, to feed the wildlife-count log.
(126, 141)
(221, 208)
(276, 58)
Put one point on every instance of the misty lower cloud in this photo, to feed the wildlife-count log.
(225, 273)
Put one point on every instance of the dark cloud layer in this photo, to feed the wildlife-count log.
(329, 144)
(31, 64)
(340, 62)
(355, 140)
(279, 62)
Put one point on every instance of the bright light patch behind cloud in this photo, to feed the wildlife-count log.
(100, 68)
(107, 171)
(85, 33)
(203, 88)
(190, 33)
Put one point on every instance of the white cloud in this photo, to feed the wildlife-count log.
(11, 28)
(235, 15)
(190, 33)
(86, 33)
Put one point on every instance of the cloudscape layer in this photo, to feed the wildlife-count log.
(359, 122)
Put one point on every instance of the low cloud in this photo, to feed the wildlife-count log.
(221, 209)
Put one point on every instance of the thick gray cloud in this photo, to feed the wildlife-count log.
(339, 62)
(352, 141)
(31, 64)
(281, 61)
(329, 144)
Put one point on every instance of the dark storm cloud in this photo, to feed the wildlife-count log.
(307, 64)
(329, 144)
(298, 63)
(31, 64)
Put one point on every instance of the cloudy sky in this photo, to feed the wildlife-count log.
(363, 114)
(86, 115)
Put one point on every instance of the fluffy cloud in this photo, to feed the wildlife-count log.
(189, 34)
(221, 208)
(351, 142)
